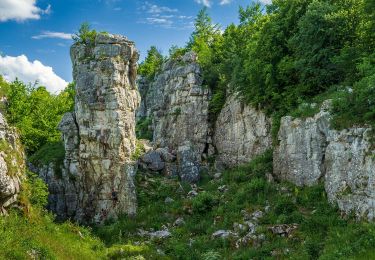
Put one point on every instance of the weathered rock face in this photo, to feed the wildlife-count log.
(310, 151)
(178, 105)
(350, 171)
(182, 113)
(241, 133)
(12, 165)
(302, 144)
(99, 136)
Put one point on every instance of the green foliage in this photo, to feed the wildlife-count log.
(139, 150)
(281, 58)
(152, 64)
(143, 130)
(176, 52)
(203, 202)
(36, 113)
(34, 191)
(53, 152)
(356, 106)
(85, 34)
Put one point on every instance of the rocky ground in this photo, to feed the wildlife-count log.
(237, 214)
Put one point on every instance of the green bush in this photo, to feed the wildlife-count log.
(203, 202)
(85, 35)
(142, 128)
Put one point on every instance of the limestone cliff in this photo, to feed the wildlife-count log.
(12, 165)
(178, 105)
(241, 133)
(310, 150)
(96, 182)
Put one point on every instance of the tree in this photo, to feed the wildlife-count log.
(36, 113)
(152, 64)
(85, 34)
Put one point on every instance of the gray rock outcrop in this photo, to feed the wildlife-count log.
(241, 133)
(12, 165)
(350, 171)
(310, 150)
(178, 105)
(96, 182)
(301, 150)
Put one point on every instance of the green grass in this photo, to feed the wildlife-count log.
(23, 237)
(321, 234)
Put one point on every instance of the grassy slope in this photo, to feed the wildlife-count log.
(322, 233)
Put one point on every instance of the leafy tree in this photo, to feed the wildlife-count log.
(152, 64)
(85, 34)
(36, 113)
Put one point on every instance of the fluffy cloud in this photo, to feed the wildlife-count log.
(155, 9)
(164, 16)
(57, 35)
(21, 10)
(23, 69)
(225, 2)
(208, 3)
(204, 2)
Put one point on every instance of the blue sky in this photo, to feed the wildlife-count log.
(40, 29)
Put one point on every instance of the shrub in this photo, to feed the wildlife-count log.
(203, 202)
(85, 35)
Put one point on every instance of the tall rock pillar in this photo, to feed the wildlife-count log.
(99, 136)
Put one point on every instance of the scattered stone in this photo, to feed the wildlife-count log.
(222, 188)
(251, 227)
(257, 215)
(168, 200)
(284, 230)
(152, 161)
(239, 228)
(161, 234)
(224, 234)
(192, 193)
(250, 240)
(217, 175)
(179, 222)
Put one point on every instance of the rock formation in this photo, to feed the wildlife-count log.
(310, 150)
(12, 165)
(302, 143)
(178, 105)
(96, 182)
(241, 133)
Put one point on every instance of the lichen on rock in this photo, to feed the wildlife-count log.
(99, 135)
(12, 165)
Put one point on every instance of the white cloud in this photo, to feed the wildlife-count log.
(155, 9)
(23, 69)
(21, 10)
(204, 2)
(225, 2)
(49, 34)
